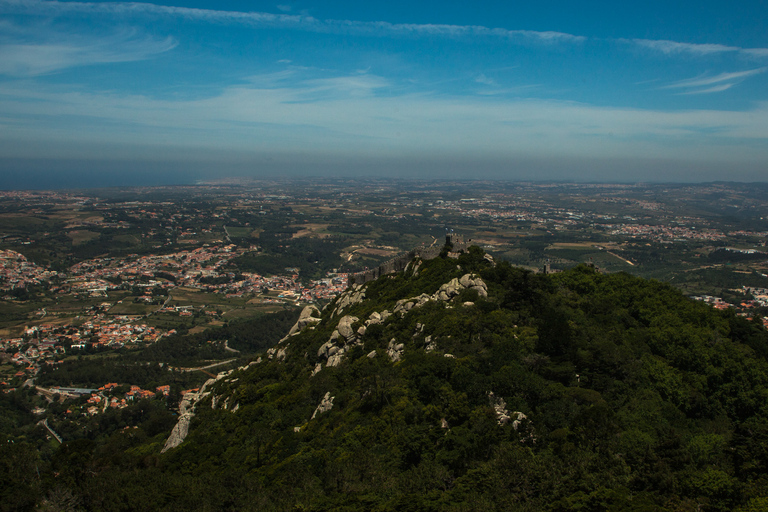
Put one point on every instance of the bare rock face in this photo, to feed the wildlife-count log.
(449, 290)
(345, 327)
(395, 350)
(476, 283)
(342, 338)
(179, 432)
(335, 359)
(277, 353)
(503, 416)
(324, 348)
(187, 412)
(402, 306)
(354, 295)
(374, 319)
(310, 315)
(326, 404)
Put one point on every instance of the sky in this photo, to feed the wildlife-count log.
(113, 93)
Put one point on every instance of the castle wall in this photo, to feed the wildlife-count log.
(399, 263)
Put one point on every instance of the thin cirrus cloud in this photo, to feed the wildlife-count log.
(36, 49)
(713, 84)
(678, 48)
(352, 27)
(287, 21)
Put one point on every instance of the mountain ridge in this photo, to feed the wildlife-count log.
(467, 384)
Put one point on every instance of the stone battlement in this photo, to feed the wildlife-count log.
(398, 263)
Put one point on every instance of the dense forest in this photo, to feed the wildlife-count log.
(626, 395)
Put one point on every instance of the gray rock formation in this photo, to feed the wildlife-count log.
(326, 404)
(310, 315)
(179, 432)
(395, 350)
(373, 319)
(278, 353)
(187, 412)
(345, 327)
(352, 296)
(503, 416)
(341, 340)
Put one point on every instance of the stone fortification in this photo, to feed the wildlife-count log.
(455, 247)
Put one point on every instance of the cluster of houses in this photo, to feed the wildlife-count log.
(105, 397)
(46, 344)
(29, 358)
(744, 307)
(17, 272)
(662, 233)
(193, 269)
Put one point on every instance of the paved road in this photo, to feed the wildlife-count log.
(207, 367)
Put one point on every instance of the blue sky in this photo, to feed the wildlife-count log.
(674, 91)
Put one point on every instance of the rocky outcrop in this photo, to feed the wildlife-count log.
(456, 285)
(352, 296)
(344, 327)
(187, 412)
(326, 404)
(179, 432)
(503, 416)
(310, 315)
(474, 282)
(395, 350)
(278, 353)
(342, 339)
(377, 318)
(344, 336)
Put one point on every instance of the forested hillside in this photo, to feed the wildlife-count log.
(464, 385)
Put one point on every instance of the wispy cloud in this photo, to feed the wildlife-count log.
(24, 58)
(673, 47)
(756, 52)
(299, 22)
(253, 118)
(702, 50)
(373, 28)
(713, 84)
(710, 90)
